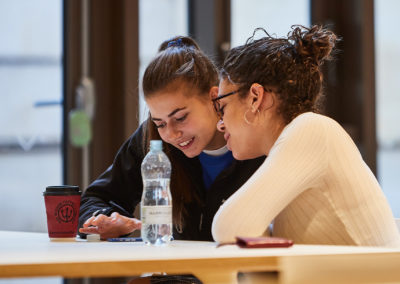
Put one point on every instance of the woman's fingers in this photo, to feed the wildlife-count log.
(126, 224)
(88, 222)
(109, 227)
(89, 230)
(96, 225)
(100, 220)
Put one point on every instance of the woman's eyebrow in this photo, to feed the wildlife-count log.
(175, 111)
(171, 114)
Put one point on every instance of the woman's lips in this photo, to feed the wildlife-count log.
(186, 144)
(226, 136)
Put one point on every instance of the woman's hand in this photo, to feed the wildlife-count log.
(110, 227)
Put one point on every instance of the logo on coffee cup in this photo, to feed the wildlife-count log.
(65, 212)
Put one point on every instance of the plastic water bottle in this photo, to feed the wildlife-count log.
(156, 204)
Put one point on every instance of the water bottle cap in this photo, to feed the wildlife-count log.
(155, 145)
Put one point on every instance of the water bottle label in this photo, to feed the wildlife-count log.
(156, 214)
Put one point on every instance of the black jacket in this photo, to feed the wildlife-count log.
(122, 184)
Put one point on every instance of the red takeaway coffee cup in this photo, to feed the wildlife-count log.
(62, 209)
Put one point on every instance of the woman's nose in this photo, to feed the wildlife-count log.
(221, 125)
(174, 133)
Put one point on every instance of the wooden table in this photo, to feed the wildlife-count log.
(34, 255)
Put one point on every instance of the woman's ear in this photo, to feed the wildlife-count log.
(256, 97)
(213, 93)
(261, 98)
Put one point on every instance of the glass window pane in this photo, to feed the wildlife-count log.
(30, 112)
(387, 98)
(158, 21)
(275, 17)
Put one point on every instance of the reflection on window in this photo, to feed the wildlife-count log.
(158, 21)
(276, 17)
(30, 109)
(388, 98)
(30, 114)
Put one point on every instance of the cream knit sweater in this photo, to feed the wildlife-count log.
(316, 189)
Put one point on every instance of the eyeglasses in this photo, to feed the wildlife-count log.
(217, 107)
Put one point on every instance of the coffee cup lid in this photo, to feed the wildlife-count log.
(62, 190)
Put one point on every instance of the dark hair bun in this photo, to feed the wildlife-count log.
(179, 41)
(315, 43)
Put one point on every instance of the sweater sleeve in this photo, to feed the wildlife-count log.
(295, 163)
